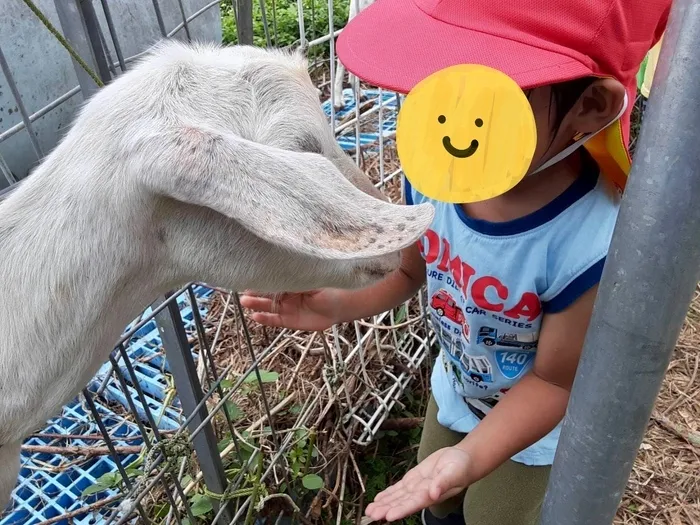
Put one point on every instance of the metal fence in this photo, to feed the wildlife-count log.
(199, 416)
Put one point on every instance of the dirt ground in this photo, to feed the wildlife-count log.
(665, 484)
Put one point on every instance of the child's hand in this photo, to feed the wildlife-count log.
(440, 476)
(310, 311)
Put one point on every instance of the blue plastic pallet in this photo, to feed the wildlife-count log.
(150, 366)
(389, 114)
(43, 491)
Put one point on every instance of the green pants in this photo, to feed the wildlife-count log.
(511, 495)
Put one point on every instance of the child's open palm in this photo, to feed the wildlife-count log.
(438, 477)
(299, 311)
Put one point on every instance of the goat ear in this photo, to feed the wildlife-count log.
(299, 201)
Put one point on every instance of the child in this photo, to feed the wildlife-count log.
(512, 280)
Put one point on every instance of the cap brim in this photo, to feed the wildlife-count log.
(385, 46)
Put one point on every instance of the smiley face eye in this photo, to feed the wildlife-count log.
(441, 119)
(479, 122)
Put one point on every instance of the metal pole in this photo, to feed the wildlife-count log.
(184, 370)
(92, 26)
(244, 21)
(648, 282)
(74, 30)
(26, 119)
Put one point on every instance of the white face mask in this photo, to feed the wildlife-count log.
(580, 142)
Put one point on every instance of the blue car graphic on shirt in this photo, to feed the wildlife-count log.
(477, 367)
(491, 337)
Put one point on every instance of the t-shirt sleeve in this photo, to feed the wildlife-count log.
(411, 196)
(576, 259)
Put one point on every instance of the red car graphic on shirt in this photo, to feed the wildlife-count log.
(465, 330)
(445, 306)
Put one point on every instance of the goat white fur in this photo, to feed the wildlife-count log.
(201, 163)
(355, 7)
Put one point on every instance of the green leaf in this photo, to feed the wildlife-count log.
(185, 521)
(110, 479)
(200, 505)
(226, 383)
(233, 410)
(161, 511)
(186, 480)
(93, 489)
(265, 376)
(295, 410)
(221, 445)
(400, 316)
(104, 482)
(312, 482)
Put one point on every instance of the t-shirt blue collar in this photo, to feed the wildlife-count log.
(584, 184)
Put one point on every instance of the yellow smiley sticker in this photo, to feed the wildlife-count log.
(465, 134)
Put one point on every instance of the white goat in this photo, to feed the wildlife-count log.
(201, 163)
(355, 7)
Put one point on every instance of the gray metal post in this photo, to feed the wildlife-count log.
(99, 53)
(184, 370)
(244, 21)
(74, 30)
(648, 282)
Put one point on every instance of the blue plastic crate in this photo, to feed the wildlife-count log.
(347, 139)
(45, 489)
(150, 366)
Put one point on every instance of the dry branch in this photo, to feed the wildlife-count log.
(687, 435)
(82, 510)
(79, 451)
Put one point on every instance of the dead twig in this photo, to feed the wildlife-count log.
(687, 435)
(91, 437)
(83, 510)
(79, 451)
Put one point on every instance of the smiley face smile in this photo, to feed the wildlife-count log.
(456, 152)
(460, 153)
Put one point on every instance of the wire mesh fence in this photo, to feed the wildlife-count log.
(199, 416)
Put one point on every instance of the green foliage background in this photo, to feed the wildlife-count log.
(315, 20)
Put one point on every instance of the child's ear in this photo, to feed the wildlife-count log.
(598, 105)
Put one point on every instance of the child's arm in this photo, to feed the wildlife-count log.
(528, 412)
(537, 403)
(321, 309)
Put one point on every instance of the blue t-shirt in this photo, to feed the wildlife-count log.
(489, 284)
